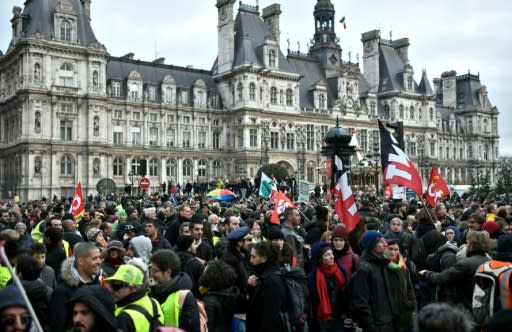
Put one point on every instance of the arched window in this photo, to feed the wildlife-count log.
(96, 167)
(281, 97)
(95, 79)
(170, 167)
(65, 30)
(289, 97)
(66, 165)
(96, 125)
(118, 166)
(135, 167)
(252, 91)
(217, 169)
(273, 95)
(37, 122)
(153, 167)
(187, 167)
(240, 91)
(37, 72)
(201, 168)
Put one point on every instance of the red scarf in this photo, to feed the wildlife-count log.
(324, 310)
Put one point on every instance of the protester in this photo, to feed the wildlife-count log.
(346, 259)
(113, 257)
(14, 316)
(443, 317)
(92, 309)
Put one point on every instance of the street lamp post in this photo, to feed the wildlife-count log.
(131, 175)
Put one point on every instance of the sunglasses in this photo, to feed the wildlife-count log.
(117, 286)
(10, 320)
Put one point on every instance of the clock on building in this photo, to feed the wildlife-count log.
(349, 103)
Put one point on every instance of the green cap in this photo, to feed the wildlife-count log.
(128, 274)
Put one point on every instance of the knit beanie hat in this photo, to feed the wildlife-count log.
(340, 232)
(10, 296)
(456, 231)
(370, 238)
(504, 243)
(92, 234)
(491, 227)
(317, 251)
(183, 242)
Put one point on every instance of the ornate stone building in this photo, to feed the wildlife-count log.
(69, 111)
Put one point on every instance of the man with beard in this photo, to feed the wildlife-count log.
(184, 215)
(172, 289)
(14, 316)
(93, 310)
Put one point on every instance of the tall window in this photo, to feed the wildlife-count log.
(66, 75)
(271, 58)
(65, 30)
(363, 139)
(216, 140)
(153, 167)
(240, 138)
(186, 139)
(116, 89)
(37, 72)
(240, 91)
(118, 167)
(170, 137)
(273, 95)
(66, 130)
(66, 165)
(136, 136)
(409, 83)
(411, 113)
(37, 122)
(431, 114)
(401, 111)
(95, 78)
(118, 135)
(217, 169)
(386, 111)
(310, 171)
(253, 137)
(134, 91)
(281, 97)
(96, 167)
(170, 167)
(187, 167)
(135, 167)
(38, 164)
(153, 136)
(289, 97)
(168, 95)
(201, 139)
(252, 91)
(274, 140)
(321, 101)
(310, 137)
(201, 168)
(290, 141)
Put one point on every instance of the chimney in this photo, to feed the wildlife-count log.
(17, 24)
(449, 86)
(159, 61)
(402, 48)
(271, 17)
(371, 40)
(86, 4)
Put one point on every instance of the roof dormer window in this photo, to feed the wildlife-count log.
(65, 30)
(272, 58)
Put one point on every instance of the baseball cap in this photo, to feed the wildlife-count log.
(128, 274)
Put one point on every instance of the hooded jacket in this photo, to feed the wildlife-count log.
(38, 294)
(101, 302)
(142, 247)
(189, 315)
(69, 283)
(193, 267)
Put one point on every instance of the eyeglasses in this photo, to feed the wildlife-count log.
(117, 286)
(10, 320)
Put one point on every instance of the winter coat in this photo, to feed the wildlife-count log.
(193, 267)
(65, 289)
(296, 242)
(348, 261)
(371, 294)
(189, 315)
(220, 307)
(404, 240)
(38, 294)
(403, 298)
(460, 276)
(55, 255)
(314, 232)
(101, 302)
(236, 260)
(442, 259)
(266, 301)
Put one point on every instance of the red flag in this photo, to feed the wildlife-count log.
(77, 208)
(344, 202)
(436, 189)
(396, 165)
(281, 203)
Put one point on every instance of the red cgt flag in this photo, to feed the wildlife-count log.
(281, 203)
(436, 189)
(77, 208)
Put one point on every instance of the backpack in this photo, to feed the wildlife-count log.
(491, 292)
(154, 322)
(203, 317)
(296, 295)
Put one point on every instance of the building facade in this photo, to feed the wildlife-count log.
(69, 111)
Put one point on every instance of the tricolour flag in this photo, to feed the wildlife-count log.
(436, 189)
(342, 21)
(281, 203)
(344, 202)
(77, 208)
(397, 168)
(267, 185)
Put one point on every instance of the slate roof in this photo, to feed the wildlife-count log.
(468, 87)
(119, 69)
(310, 72)
(425, 86)
(391, 69)
(38, 17)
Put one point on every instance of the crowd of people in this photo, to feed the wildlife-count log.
(187, 262)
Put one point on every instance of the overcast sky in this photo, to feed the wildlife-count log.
(444, 35)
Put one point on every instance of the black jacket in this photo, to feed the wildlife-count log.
(174, 229)
(403, 298)
(266, 301)
(314, 232)
(37, 293)
(193, 267)
(189, 316)
(236, 260)
(371, 295)
(220, 307)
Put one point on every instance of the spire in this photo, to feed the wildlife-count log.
(424, 86)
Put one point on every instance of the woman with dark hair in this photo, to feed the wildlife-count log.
(286, 256)
(267, 291)
(221, 299)
(346, 259)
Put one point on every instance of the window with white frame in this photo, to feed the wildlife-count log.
(168, 95)
(118, 135)
(134, 91)
(118, 164)
(65, 30)
(310, 137)
(273, 95)
(116, 89)
(271, 58)
(186, 139)
(240, 138)
(289, 97)
(240, 91)
(321, 101)
(171, 137)
(153, 167)
(151, 93)
(66, 108)
(170, 167)
(136, 116)
(184, 97)
(66, 75)
(274, 140)
(66, 130)
(252, 91)
(186, 119)
(217, 169)
(187, 167)
(201, 168)
(170, 118)
(136, 136)
(216, 140)
(281, 97)
(310, 171)
(290, 141)
(135, 166)
(153, 136)
(153, 117)
(253, 137)
(66, 165)
(201, 139)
